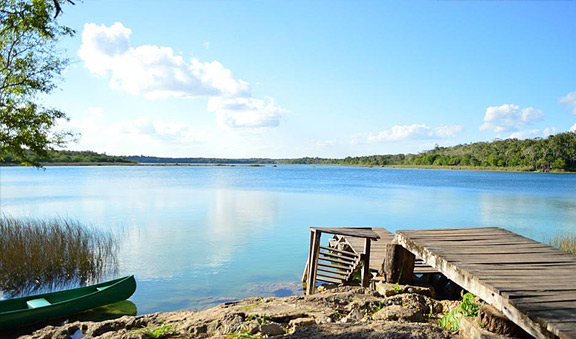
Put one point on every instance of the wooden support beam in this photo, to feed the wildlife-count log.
(366, 275)
(398, 265)
(313, 261)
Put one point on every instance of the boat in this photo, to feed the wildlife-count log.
(24, 311)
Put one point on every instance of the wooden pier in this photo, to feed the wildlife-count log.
(533, 284)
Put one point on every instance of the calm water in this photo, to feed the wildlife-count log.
(194, 236)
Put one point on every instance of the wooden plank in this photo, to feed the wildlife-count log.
(339, 257)
(339, 272)
(351, 254)
(329, 280)
(360, 232)
(331, 276)
(471, 283)
(347, 267)
(334, 260)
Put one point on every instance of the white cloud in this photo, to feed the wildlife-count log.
(245, 112)
(570, 100)
(131, 136)
(533, 133)
(525, 134)
(548, 131)
(573, 128)
(509, 117)
(158, 72)
(415, 131)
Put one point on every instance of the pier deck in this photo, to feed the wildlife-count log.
(533, 284)
(378, 251)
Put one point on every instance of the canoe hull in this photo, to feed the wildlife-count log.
(16, 312)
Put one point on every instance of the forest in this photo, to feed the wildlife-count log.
(69, 157)
(554, 153)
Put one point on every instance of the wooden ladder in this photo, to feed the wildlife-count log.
(336, 266)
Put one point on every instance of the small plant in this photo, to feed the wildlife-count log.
(161, 331)
(261, 320)
(253, 305)
(243, 335)
(468, 308)
(565, 242)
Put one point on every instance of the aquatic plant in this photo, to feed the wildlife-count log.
(468, 308)
(565, 242)
(42, 255)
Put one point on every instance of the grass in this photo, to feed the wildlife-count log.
(565, 242)
(468, 308)
(243, 335)
(161, 331)
(41, 255)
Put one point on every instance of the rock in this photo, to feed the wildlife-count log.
(396, 312)
(470, 329)
(496, 322)
(251, 327)
(314, 316)
(271, 329)
(295, 324)
(388, 290)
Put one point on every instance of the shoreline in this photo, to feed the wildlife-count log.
(416, 167)
(351, 312)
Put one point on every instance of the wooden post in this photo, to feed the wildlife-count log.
(313, 261)
(398, 266)
(366, 275)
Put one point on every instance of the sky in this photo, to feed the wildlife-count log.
(286, 79)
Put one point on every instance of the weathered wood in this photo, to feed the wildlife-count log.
(346, 253)
(359, 232)
(366, 275)
(336, 258)
(398, 265)
(343, 267)
(378, 251)
(314, 250)
(530, 283)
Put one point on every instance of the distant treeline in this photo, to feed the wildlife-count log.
(157, 160)
(71, 157)
(557, 152)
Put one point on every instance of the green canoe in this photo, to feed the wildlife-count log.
(25, 311)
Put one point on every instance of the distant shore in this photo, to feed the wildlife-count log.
(427, 167)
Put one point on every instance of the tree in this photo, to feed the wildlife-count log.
(29, 64)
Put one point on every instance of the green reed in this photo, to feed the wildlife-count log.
(43, 254)
(565, 242)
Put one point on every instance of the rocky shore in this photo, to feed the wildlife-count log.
(343, 312)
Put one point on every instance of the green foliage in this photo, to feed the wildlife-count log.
(161, 331)
(468, 308)
(565, 242)
(70, 157)
(557, 152)
(39, 254)
(253, 305)
(29, 63)
(243, 335)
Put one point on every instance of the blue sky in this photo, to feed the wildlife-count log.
(314, 78)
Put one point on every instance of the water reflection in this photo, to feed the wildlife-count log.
(194, 236)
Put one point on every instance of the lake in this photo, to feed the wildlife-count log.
(195, 236)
